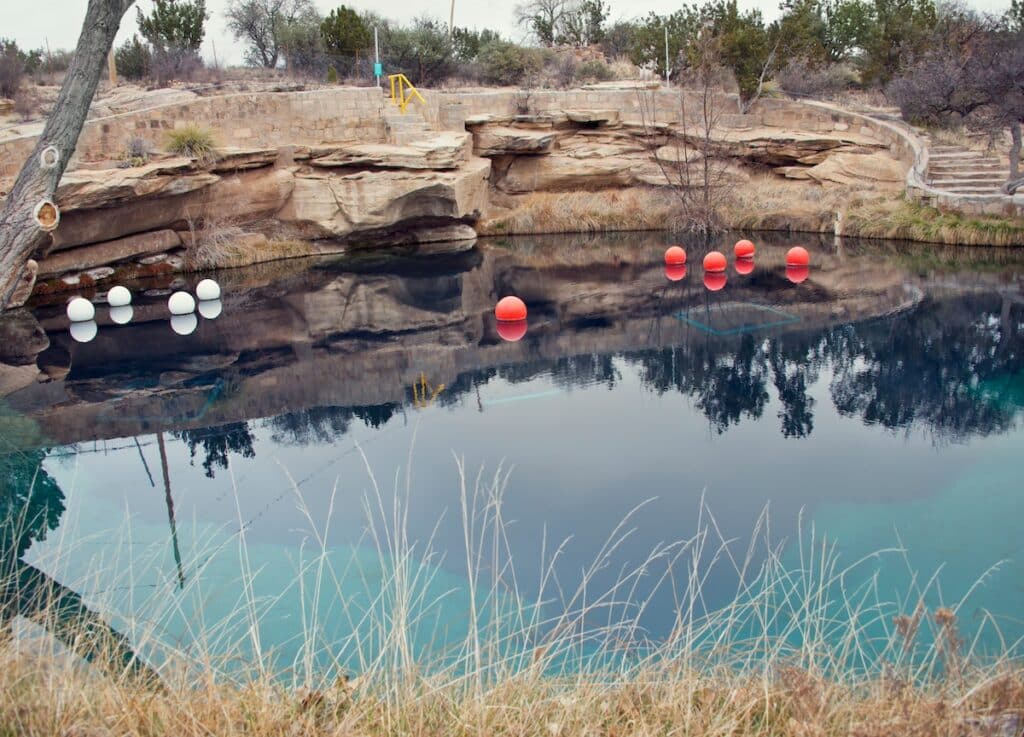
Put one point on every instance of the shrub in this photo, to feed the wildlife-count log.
(506, 63)
(804, 79)
(561, 70)
(523, 103)
(191, 141)
(12, 68)
(593, 71)
(133, 59)
(25, 104)
(136, 153)
(303, 49)
(332, 75)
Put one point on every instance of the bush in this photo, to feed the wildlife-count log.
(133, 59)
(804, 79)
(191, 141)
(170, 64)
(332, 75)
(506, 63)
(303, 49)
(12, 68)
(25, 104)
(593, 71)
(561, 70)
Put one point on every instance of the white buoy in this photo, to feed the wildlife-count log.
(84, 331)
(184, 324)
(122, 314)
(80, 309)
(119, 297)
(181, 303)
(207, 290)
(210, 308)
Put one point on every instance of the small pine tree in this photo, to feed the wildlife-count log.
(133, 59)
(174, 25)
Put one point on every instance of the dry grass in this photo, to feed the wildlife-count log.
(220, 245)
(192, 141)
(788, 657)
(42, 698)
(637, 208)
(762, 203)
(899, 219)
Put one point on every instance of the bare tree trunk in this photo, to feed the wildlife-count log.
(1015, 180)
(21, 235)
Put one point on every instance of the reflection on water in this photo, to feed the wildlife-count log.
(881, 396)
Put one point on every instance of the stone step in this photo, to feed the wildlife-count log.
(973, 190)
(967, 165)
(966, 156)
(944, 183)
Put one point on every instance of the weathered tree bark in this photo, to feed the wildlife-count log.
(1015, 180)
(20, 234)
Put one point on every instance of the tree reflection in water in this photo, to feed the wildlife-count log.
(31, 505)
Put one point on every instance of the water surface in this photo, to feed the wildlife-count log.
(877, 403)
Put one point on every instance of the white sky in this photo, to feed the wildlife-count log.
(61, 20)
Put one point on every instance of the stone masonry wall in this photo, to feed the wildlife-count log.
(244, 120)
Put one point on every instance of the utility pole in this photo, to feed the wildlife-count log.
(666, 54)
(451, 20)
(378, 70)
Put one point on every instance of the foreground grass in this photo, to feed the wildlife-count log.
(41, 697)
(790, 656)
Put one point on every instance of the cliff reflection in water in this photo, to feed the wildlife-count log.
(318, 346)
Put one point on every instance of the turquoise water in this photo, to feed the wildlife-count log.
(876, 405)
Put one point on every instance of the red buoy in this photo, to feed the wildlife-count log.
(743, 265)
(510, 308)
(675, 256)
(797, 256)
(675, 272)
(797, 274)
(714, 280)
(715, 261)
(744, 249)
(511, 330)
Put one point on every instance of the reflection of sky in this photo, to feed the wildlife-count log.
(581, 459)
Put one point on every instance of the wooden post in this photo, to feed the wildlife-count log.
(111, 68)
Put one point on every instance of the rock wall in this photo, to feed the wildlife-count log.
(259, 119)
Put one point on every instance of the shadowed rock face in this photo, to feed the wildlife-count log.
(347, 333)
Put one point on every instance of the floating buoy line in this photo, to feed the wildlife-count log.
(182, 306)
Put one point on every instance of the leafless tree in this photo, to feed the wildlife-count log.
(261, 25)
(543, 18)
(688, 155)
(29, 211)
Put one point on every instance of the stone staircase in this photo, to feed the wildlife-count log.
(962, 171)
(404, 129)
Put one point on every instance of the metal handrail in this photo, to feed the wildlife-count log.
(403, 91)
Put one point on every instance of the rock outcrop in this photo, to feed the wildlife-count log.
(326, 204)
(438, 152)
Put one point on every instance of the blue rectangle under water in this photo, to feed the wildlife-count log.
(711, 314)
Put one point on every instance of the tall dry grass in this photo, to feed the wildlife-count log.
(899, 219)
(792, 655)
(636, 208)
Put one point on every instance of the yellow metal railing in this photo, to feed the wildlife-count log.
(403, 91)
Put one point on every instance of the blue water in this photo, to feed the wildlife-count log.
(876, 405)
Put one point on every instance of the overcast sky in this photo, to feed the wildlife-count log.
(33, 23)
